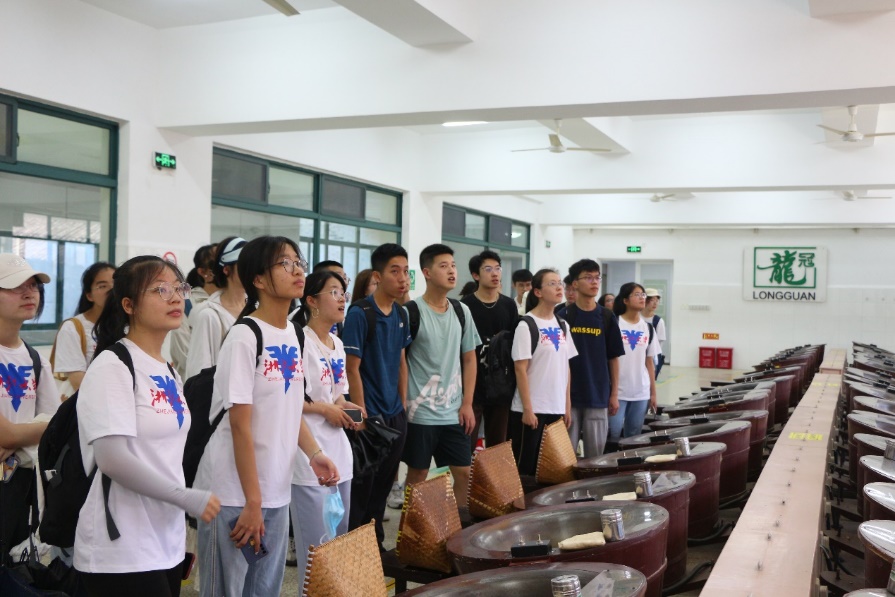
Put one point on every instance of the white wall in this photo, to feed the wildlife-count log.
(708, 270)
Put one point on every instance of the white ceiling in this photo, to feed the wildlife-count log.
(752, 139)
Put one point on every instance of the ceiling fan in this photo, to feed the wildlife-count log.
(853, 196)
(657, 197)
(853, 135)
(556, 145)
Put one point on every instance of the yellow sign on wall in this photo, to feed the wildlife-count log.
(709, 336)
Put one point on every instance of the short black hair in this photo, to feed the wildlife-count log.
(385, 253)
(522, 275)
(325, 265)
(581, 266)
(428, 255)
(568, 280)
(476, 261)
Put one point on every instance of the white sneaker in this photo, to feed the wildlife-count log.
(386, 516)
(291, 558)
(396, 496)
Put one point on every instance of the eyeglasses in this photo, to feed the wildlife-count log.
(552, 284)
(166, 290)
(591, 278)
(289, 265)
(337, 295)
(492, 269)
(26, 287)
(638, 294)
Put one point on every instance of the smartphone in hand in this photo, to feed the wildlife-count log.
(248, 550)
(356, 415)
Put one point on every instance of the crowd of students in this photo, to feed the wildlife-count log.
(286, 381)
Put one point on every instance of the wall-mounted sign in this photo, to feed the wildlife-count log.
(635, 249)
(413, 279)
(788, 274)
(165, 160)
(711, 336)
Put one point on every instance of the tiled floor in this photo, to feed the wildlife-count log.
(673, 383)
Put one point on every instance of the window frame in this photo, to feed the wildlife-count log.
(42, 171)
(485, 242)
(316, 214)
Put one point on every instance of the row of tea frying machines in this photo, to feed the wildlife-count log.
(858, 542)
(729, 428)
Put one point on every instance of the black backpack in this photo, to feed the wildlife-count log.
(496, 360)
(65, 482)
(198, 390)
(366, 306)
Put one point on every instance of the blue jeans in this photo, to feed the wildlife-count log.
(630, 417)
(307, 520)
(225, 571)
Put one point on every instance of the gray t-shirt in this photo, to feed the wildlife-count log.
(435, 382)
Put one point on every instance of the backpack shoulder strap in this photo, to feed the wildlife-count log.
(571, 313)
(35, 361)
(461, 315)
(656, 319)
(413, 317)
(607, 317)
(124, 355)
(79, 327)
(533, 329)
(367, 307)
(651, 330)
(259, 341)
(563, 324)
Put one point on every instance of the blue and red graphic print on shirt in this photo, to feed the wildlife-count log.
(553, 335)
(338, 367)
(632, 337)
(15, 381)
(167, 392)
(283, 359)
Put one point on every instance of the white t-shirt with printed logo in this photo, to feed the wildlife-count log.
(155, 419)
(548, 370)
(69, 356)
(274, 386)
(633, 376)
(21, 398)
(327, 381)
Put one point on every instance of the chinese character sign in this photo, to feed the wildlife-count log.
(785, 274)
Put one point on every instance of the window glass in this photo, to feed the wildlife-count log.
(462, 254)
(381, 208)
(62, 143)
(228, 221)
(510, 262)
(339, 232)
(500, 231)
(372, 236)
(291, 189)
(5, 131)
(453, 221)
(519, 236)
(236, 178)
(341, 199)
(475, 226)
(42, 256)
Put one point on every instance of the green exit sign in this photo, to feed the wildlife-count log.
(165, 160)
(634, 249)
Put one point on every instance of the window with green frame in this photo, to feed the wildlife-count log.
(58, 180)
(469, 232)
(329, 217)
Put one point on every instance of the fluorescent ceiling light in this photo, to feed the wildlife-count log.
(465, 123)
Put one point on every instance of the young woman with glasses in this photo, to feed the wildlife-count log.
(636, 378)
(325, 413)
(542, 373)
(250, 457)
(134, 427)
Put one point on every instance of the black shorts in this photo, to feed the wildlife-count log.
(448, 444)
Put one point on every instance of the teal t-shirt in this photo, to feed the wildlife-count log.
(435, 383)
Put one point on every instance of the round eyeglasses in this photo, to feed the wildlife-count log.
(337, 295)
(166, 290)
(289, 265)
